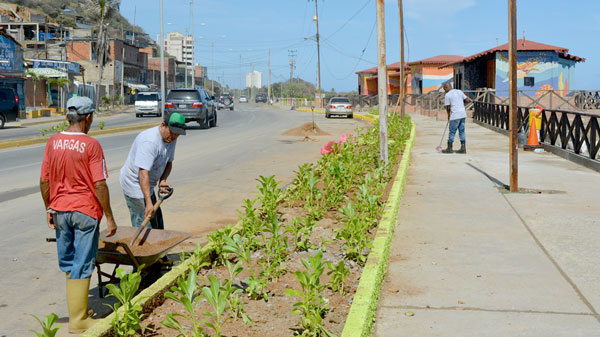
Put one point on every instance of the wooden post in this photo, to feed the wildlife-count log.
(402, 83)
(513, 109)
(382, 82)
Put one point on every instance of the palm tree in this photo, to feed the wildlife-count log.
(59, 82)
(35, 78)
(102, 11)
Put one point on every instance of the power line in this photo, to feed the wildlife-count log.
(350, 19)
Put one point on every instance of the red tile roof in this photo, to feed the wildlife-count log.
(440, 59)
(368, 71)
(522, 45)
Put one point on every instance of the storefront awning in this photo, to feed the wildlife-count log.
(141, 87)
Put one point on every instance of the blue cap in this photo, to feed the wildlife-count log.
(80, 105)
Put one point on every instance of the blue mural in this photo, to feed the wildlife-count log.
(537, 71)
(10, 56)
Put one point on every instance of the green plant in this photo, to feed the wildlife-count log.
(185, 292)
(47, 326)
(312, 306)
(339, 273)
(275, 248)
(354, 234)
(218, 303)
(101, 125)
(300, 228)
(270, 196)
(128, 322)
(60, 127)
(217, 240)
(251, 224)
(256, 286)
(236, 306)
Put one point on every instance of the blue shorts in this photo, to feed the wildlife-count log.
(77, 243)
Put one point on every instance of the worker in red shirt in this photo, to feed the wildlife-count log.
(73, 186)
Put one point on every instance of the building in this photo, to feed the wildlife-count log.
(540, 67)
(427, 75)
(11, 66)
(180, 46)
(254, 79)
(125, 66)
(422, 76)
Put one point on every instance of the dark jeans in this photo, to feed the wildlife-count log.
(137, 207)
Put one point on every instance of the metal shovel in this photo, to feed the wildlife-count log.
(161, 198)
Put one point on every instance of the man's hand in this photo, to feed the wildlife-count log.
(162, 185)
(50, 221)
(112, 227)
(149, 212)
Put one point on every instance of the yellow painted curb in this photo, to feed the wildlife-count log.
(42, 139)
(364, 304)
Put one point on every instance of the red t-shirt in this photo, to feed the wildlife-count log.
(72, 163)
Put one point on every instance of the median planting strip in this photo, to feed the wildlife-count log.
(331, 215)
(364, 305)
(44, 139)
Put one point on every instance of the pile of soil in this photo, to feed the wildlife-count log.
(143, 249)
(305, 130)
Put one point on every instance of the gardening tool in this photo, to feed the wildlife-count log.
(161, 198)
(439, 148)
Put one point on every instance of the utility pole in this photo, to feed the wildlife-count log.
(162, 62)
(212, 66)
(240, 93)
(512, 110)
(193, 43)
(134, 15)
(269, 76)
(402, 82)
(382, 82)
(292, 54)
(318, 52)
(123, 74)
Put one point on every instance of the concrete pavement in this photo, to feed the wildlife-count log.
(470, 259)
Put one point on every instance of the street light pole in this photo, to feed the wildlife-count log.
(382, 82)
(318, 52)
(162, 62)
(512, 110)
(193, 44)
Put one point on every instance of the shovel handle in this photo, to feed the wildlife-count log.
(147, 219)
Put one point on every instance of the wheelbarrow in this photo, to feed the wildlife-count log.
(116, 250)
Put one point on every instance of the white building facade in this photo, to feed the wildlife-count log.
(181, 46)
(254, 79)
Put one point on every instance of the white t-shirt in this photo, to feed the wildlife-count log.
(149, 152)
(455, 99)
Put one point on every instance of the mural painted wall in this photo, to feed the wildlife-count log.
(429, 78)
(549, 72)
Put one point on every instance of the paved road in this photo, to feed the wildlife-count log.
(13, 131)
(214, 170)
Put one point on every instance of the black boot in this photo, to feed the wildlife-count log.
(449, 149)
(463, 148)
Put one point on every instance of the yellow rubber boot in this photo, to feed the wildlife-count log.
(77, 303)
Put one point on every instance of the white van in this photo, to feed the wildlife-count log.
(147, 103)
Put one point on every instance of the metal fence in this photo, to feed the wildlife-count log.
(571, 131)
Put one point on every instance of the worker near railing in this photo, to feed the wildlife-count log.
(455, 101)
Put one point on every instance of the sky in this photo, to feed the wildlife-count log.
(242, 32)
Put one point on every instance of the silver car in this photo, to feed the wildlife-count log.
(339, 106)
(147, 103)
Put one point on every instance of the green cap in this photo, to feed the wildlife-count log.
(176, 123)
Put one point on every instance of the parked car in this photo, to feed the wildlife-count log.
(225, 102)
(194, 105)
(9, 106)
(261, 98)
(147, 103)
(339, 106)
(243, 99)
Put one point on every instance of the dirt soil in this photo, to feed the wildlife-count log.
(274, 318)
(143, 249)
(305, 130)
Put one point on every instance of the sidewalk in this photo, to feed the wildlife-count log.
(469, 259)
